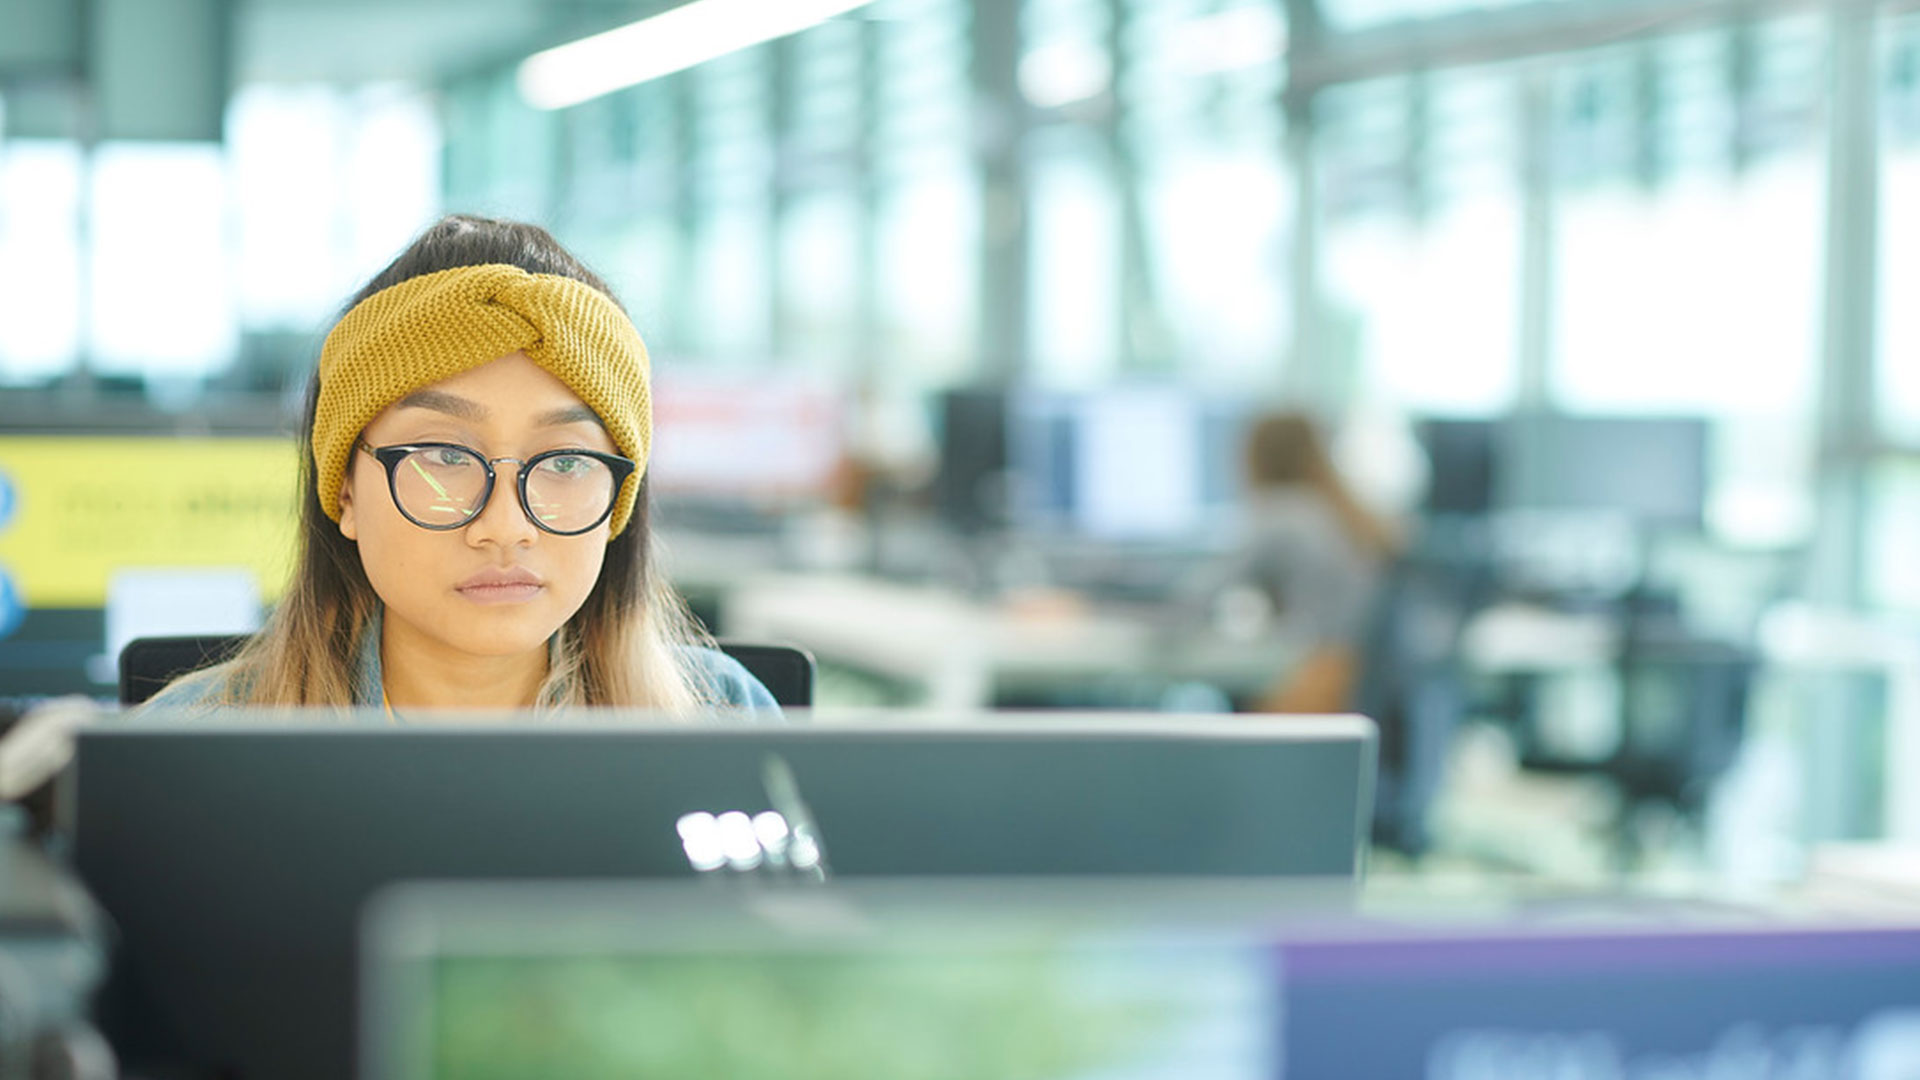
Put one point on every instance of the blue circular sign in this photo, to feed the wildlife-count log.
(9, 501)
(12, 609)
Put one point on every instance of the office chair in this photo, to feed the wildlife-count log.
(1682, 717)
(148, 664)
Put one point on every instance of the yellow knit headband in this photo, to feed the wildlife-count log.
(438, 325)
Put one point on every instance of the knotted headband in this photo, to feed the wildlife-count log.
(436, 326)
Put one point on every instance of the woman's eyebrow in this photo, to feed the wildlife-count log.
(577, 414)
(441, 401)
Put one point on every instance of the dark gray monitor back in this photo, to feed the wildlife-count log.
(1461, 461)
(235, 861)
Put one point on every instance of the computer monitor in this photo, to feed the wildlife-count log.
(1127, 464)
(970, 488)
(1651, 469)
(944, 980)
(1688, 994)
(1148, 981)
(234, 857)
(754, 438)
(1461, 455)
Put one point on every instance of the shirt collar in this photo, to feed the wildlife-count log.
(369, 680)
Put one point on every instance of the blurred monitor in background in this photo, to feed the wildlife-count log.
(1125, 465)
(113, 537)
(745, 439)
(1116, 493)
(970, 486)
(1650, 469)
(170, 602)
(1139, 470)
(1572, 500)
(1461, 457)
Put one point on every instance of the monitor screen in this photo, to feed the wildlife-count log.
(1675, 1001)
(1068, 981)
(233, 858)
(1650, 469)
(744, 437)
(1127, 464)
(926, 1009)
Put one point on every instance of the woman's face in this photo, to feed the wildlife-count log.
(497, 586)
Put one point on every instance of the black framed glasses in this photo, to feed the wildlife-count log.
(445, 485)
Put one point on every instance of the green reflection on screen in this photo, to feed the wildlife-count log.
(941, 1015)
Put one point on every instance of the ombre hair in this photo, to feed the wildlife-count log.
(623, 647)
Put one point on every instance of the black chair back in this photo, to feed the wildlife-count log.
(787, 671)
(149, 664)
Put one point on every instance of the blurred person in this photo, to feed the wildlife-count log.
(474, 509)
(1312, 553)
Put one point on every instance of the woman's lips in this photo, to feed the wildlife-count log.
(509, 586)
(500, 594)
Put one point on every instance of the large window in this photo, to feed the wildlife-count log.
(162, 282)
(326, 187)
(191, 248)
(820, 288)
(1893, 526)
(1219, 222)
(1689, 257)
(1073, 293)
(1215, 205)
(1899, 233)
(824, 237)
(1422, 279)
(733, 240)
(928, 218)
(1691, 281)
(929, 234)
(39, 259)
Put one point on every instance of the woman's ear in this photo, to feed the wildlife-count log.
(349, 526)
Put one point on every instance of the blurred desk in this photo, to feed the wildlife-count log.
(1520, 639)
(967, 653)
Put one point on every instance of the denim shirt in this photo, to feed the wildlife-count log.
(725, 683)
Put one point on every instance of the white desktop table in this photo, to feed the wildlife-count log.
(966, 651)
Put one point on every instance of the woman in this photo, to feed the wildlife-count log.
(1316, 555)
(473, 522)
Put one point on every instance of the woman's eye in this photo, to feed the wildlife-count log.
(571, 465)
(448, 456)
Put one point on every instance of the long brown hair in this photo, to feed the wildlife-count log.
(620, 648)
(1285, 449)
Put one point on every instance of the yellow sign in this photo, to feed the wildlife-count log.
(74, 509)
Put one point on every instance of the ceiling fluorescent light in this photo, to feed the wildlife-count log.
(671, 41)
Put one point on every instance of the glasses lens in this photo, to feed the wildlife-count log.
(440, 485)
(569, 492)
